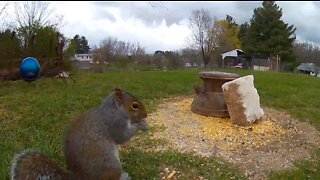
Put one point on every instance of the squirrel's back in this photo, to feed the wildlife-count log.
(91, 143)
(31, 165)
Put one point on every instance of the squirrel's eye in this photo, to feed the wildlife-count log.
(135, 105)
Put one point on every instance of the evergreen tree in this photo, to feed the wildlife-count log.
(45, 44)
(243, 35)
(268, 35)
(10, 49)
(231, 21)
(82, 46)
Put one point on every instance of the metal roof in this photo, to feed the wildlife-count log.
(310, 67)
(233, 53)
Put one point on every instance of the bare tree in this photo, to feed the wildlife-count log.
(203, 36)
(112, 50)
(31, 15)
(307, 52)
(136, 50)
(3, 8)
(191, 56)
(138, 55)
(106, 49)
(113, 46)
(121, 48)
(2, 11)
(36, 13)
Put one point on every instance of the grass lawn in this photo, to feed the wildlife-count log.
(34, 116)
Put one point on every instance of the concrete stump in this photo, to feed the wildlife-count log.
(209, 100)
(243, 101)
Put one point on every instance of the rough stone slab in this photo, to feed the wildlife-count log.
(243, 101)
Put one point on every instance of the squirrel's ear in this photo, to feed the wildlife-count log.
(119, 94)
(117, 89)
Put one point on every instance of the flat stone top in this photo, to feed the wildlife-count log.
(217, 74)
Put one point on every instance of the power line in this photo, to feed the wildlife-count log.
(161, 5)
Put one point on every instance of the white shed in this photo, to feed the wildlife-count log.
(234, 53)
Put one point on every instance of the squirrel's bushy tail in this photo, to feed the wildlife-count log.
(34, 165)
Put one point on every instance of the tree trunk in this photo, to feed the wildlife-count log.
(205, 60)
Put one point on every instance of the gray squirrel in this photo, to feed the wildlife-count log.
(91, 145)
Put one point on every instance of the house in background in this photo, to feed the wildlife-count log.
(239, 59)
(190, 65)
(83, 57)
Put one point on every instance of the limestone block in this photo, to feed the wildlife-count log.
(243, 101)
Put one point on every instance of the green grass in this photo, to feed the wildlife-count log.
(147, 165)
(34, 116)
(305, 170)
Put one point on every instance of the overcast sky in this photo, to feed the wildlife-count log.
(163, 25)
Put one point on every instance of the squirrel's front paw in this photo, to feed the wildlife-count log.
(125, 176)
(143, 126)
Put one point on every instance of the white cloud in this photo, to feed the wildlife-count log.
(153, 37)
(164, 25)
(304, 16)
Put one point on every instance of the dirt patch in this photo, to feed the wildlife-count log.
(272, 143)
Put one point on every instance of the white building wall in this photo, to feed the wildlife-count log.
(83, 57)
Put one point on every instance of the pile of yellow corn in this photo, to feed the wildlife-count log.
(219, 131)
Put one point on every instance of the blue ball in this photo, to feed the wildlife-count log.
(29, 69)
